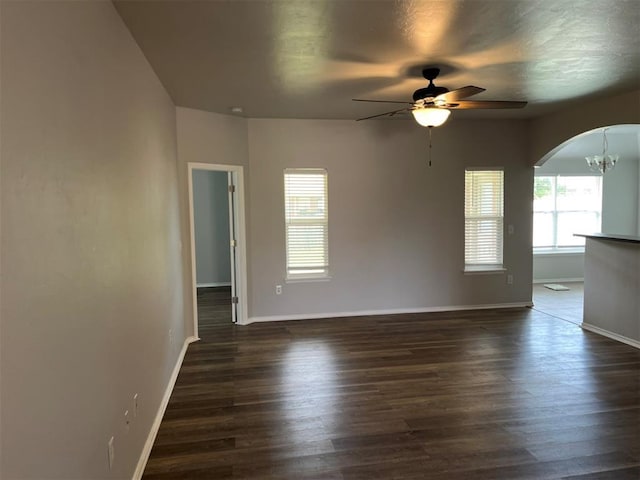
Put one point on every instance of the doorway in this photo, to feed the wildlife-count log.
(218, 251)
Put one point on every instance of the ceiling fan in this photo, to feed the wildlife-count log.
(432, 105)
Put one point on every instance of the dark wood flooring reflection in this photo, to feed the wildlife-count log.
(511, 394)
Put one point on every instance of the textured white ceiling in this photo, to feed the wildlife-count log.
(309, 58)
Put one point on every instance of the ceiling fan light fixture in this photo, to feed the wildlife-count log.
(430, 116)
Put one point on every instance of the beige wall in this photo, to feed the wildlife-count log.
(90, 247)
(211, 228)
(615, 309)
(548, 132)
(558, 267)
(396, 226)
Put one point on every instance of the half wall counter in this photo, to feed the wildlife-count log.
(612, 286)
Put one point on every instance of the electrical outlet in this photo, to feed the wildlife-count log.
(112, 454)
(509, 279)
(127, 421)
(510, 229)
(278, 289)
(170, 337)
(135, 405)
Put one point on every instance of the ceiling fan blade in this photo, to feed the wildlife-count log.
(471, 104)
(379, 101)
(385, 114)
(460, 93)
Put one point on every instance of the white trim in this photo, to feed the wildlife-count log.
(241, 264)
(213, 284)
(482, 169)
(192, 243)
(555, 252)
(611, 335)
(301, 279)
(155, 426)
(477, 252)
(396, 311)
(241, 234)
(479, 270)
(307, 276)
(558, 280)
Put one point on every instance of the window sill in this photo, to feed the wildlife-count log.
(484, 270)
(556, 251)
(307, 279)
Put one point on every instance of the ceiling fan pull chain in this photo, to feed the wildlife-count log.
(430, 128)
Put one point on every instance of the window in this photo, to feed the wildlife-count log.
(562, 206)
(305, 205)
(483, 219)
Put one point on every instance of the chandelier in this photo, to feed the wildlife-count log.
(605, 162)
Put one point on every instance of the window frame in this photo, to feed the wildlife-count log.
(306, 276)
(556, 249)
(480, 267)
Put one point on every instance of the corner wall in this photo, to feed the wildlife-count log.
(90, 246)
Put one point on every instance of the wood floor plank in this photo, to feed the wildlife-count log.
(492, 394)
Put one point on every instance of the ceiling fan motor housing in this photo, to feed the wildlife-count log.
(428, 92)
(431, 91)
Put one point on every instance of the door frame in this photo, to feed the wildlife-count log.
(241, 249)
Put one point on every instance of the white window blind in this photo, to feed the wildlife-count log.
(306, 220)
(483, 218)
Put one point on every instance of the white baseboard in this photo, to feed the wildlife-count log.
(558, 280)
(362, 313)
(613, 336)
(214, 284)
(151, 438)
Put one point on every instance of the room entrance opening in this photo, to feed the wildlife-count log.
(216, 215)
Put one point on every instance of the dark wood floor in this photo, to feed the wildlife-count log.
(509, 394)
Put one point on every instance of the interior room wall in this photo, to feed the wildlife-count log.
(638, 219)
(548, 132)
(211, 226)
(620, 191)
(558, 267)
(396, 225)
(613, 311)
(205, 137)
(91, 266)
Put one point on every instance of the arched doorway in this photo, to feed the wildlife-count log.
(571, 198)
